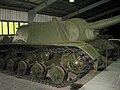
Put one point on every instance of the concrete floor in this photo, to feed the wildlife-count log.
(8, 82)
(108, 79)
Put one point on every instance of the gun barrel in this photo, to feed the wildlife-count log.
(105, 22)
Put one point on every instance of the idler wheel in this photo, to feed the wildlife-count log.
(2, 63)
(22, 68)
(10, 65)
(57, 75)
(38, 70)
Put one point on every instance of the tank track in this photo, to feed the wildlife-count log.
(47, 80)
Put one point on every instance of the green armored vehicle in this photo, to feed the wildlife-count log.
(57, 52)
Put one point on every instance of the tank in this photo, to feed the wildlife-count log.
(57, 53)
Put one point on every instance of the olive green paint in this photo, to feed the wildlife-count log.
(73, 32)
